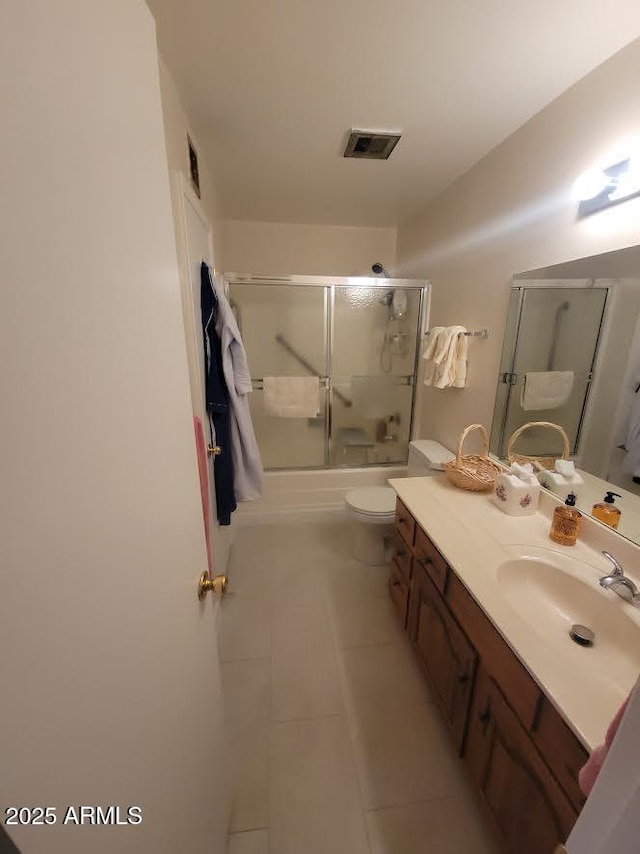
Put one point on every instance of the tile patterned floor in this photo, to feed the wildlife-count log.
(336, 746)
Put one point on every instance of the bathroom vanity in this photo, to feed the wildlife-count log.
(523, 703)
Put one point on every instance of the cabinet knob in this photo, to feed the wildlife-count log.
(402, 519)
(424, 561)
(395, 582)
(400, 552)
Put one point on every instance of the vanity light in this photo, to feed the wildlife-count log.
(597, 189)
(589, 185)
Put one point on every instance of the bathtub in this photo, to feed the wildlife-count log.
(299, 494)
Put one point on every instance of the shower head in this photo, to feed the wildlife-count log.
(379, 270)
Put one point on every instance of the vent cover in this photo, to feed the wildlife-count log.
(371, 144)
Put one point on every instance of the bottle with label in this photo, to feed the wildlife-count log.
(566, 522)
(607, 512)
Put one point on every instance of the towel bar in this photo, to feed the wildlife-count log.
(479, 333)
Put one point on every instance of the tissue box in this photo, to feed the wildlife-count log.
(515, 496)
(561, 484)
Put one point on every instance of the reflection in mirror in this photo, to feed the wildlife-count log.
(571, 356)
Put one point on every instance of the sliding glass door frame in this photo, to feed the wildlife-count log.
(330, 284)
(507, 375)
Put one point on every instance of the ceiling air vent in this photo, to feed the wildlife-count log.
(371, 144)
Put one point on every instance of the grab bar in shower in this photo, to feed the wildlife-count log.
(309, 367)
(555, 337)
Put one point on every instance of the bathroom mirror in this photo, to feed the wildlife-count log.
(579, 320)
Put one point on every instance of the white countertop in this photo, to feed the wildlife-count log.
(587, 685)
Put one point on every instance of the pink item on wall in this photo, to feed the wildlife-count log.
(201, 448)
(589, 772)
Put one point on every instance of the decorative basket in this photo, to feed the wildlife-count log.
(474, 472)
(538, 463)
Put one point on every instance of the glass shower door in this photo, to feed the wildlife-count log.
(558, 330)
(284, 329)
(373, 357)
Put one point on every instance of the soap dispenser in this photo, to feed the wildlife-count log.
(566, 522)
(607, 512)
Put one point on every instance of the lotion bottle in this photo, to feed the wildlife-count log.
(566, 522)
(607, 512)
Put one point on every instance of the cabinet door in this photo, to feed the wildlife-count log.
(399, 592)
(529, 808)
(445, 653)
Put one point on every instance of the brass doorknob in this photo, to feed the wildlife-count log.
(214, 450)
(218, 584)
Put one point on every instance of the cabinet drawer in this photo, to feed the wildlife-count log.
(405, 523)
(518, 687)
(401, 554)
(399, 592)
(561, 749)
(428, 556)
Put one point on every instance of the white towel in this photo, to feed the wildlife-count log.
(446, 357)
(292, 397)
(546, 389)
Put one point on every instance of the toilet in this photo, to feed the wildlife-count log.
(373, 507)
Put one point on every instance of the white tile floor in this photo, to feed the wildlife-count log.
(336, 746)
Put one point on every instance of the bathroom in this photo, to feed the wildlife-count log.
(302, 720)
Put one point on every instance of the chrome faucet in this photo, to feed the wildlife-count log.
(619, 583)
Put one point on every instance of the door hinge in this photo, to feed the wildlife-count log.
(509, 378)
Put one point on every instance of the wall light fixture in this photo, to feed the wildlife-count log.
(597, 189)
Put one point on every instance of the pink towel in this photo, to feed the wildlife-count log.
(201, 448)
(589, 773)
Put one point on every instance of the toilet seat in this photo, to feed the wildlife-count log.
(375, 503)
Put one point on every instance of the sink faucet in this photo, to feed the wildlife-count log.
(619, 583)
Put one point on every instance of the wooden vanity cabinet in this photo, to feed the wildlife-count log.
(520, 794)
(399, 592)
(444, 652)
(521, 755)
(405, 523)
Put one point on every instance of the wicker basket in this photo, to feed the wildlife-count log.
(472, 471)
(538, 463)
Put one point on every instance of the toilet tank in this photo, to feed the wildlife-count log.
(426, 457)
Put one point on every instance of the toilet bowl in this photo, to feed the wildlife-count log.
(373, 507)
(373, 510)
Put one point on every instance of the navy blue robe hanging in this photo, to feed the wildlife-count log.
(217, 400)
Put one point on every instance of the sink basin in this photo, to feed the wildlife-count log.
(552, 595)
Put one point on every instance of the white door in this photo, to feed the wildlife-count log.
(109, 674)
(195, 245)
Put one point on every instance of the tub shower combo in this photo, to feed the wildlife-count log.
(361, 337)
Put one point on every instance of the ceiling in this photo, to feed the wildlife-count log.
(273, 86)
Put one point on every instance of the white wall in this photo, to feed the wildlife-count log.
(276, 248)
(512, 212)
(176, 128)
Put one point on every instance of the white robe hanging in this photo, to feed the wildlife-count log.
(247, 464)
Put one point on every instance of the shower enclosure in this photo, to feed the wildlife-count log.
(549, 328)
(360, 337)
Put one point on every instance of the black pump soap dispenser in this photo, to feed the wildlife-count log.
(607, 512)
